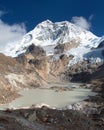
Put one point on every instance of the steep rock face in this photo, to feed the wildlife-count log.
(36, 51)
(35, 60)
(49, 68)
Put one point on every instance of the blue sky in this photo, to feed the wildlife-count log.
(32, 12)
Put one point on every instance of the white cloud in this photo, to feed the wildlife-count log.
(82, 22)
(10, 33)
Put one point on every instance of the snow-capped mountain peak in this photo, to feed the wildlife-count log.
(48, 33)
(45, 23)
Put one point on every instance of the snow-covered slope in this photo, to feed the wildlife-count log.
(88, 51)
(48, 34)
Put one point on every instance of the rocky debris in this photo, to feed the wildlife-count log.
(32, 117)
(93, 107)
(85, 107)
(99, 101)
(88, 114)
(45, 119)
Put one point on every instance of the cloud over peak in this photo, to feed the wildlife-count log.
(10, 33)
(82, 22)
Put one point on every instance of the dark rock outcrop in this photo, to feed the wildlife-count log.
(36, 51)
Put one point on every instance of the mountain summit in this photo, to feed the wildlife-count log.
(48, 34)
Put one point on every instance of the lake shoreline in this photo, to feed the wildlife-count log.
(56, 90)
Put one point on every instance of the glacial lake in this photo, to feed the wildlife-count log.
(49, 97)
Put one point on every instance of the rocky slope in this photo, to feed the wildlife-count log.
(14, 76)
(45, 119)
